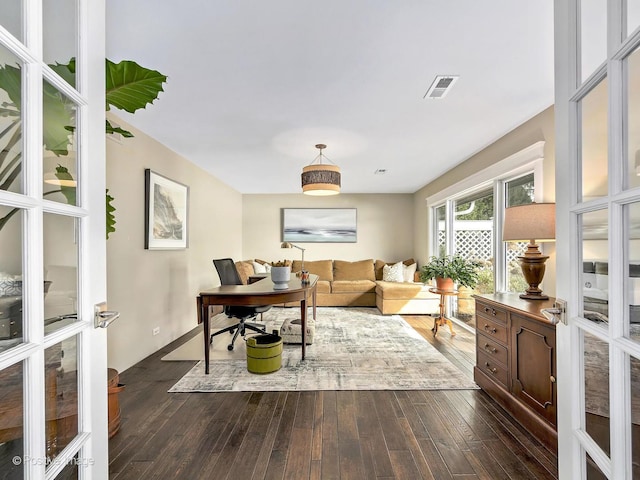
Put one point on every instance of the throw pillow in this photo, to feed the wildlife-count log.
(259, 267)
(408, 272)
(393, 273)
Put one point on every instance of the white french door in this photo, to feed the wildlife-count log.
(53, 369)
(597, 112)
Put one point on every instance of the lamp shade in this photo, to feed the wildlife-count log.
(534, 221)
(320, 178)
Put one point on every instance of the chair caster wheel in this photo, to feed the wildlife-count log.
(230, 347)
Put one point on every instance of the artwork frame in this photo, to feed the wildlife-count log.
(164, 198)
(320, 225)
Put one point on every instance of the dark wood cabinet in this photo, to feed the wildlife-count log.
(516, 360)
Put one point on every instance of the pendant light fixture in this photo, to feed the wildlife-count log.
(321, 178)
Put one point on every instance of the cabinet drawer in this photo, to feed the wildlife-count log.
(491, 312)
(492, 368)
(492, 348)
(491, 329)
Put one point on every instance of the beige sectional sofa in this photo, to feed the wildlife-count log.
(360, 284)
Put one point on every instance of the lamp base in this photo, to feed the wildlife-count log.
(533, 268)
(528, 296)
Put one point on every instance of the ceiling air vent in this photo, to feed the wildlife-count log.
(441, 86)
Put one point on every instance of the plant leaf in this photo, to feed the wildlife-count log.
(58, 120)
(121, 131)
(131, 87)
(62, 174)
(66, 71)
(10, 82)
(111, 218)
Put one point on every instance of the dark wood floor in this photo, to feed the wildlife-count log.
(457, 434)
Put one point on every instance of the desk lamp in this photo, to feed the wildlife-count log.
(534, 222)
(291, 245)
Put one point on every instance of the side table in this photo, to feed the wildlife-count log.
(442, 320)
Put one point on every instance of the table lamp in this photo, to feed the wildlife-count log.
(534, 222)
(291, 245)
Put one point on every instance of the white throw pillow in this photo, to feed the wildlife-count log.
(393, 273)
(408, 272)
(260, 268)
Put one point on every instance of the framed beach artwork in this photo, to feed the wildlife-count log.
(166, 208)
(319, 225)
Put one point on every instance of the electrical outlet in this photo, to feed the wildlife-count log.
(156, 330)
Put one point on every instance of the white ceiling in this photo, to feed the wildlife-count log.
(254, 85)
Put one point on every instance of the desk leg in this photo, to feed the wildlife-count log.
(303, 324)
(313, 297)
(203, 313)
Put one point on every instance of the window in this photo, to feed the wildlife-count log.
(467, 222)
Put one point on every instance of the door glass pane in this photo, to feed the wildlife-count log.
(593, 38)
(635, 416)
(633, 16)
(633, 106)
(10, 122)
(61, 270)
(518, 192)
(596, 389)
(594, 143)
(60, 20)
(61, 395)
(59, 129)
(10, 277)
(70, 472)
(473, 237)
(593, 471)
(440, 231)
(11, 15)
(633, 270)
(11, 421)
(595, 266)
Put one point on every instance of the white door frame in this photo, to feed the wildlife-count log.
(573, 440)
(91, 444)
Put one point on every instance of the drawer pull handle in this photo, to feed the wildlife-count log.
(492, 311)
(491, 330)
(490, 349)
(492, 370)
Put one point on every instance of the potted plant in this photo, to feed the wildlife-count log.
(280, 275)
(450, 269)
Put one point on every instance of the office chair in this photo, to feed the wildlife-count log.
(228, 274)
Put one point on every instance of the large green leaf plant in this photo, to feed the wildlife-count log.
(129, 87)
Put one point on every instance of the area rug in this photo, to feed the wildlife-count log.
(353, 349)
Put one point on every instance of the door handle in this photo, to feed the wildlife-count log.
(103, 317)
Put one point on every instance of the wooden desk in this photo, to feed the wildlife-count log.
(255, 294)
(442, 320)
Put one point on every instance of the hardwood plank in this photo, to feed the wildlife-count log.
(266, 448)
(403, 465)
(414, 447)
(330, 468)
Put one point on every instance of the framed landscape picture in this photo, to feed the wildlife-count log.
(319, 225)
(166, 210)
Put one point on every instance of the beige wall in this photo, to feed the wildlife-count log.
(158, 288)
(540, 127)
(385, 227)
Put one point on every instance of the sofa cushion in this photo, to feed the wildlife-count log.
(409, 272)
(361, 270)
(399, 291)
(379, 265)
(322, 268)
(261, 267)
(353, 286)
(393, 273)
(244, 270)
(323, 286)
